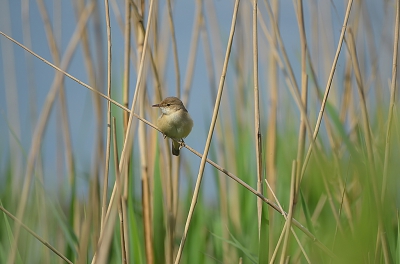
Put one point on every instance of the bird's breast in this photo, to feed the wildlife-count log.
(175, 125)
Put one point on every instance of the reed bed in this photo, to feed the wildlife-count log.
(293, 157)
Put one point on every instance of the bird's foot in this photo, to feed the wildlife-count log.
(181, 143)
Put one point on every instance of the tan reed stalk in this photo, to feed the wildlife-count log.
(147, 224)
(173, 182)
(231, 210)
(143, 146)
(368, 142)
(289, 219)
(257, 131)
(192, 52)
(127, 51)
(124, 245)
(39, 130)
(327, 88)
(108, 136)
(304, 93)
(271, 148)
(125, 98)
(45, 243)
(228, 255)
(209, 137)
(392, 103)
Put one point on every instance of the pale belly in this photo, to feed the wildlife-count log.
(177, 125)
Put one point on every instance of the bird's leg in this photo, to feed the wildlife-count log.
(165, 136)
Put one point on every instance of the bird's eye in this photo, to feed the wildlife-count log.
(168, 104)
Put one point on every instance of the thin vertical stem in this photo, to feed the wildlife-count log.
(120, 204)
(304, 92)
(289, 218)
(257, 132)
(108, 137)
(127, 54)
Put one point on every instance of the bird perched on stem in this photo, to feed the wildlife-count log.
(175, 121)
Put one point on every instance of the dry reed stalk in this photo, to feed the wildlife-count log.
(45, 243)
(39, 130)
(228, 255)
(147, 224)
(392, 103)
(145, 179)
(125, 95)
(127, 51)
(124, 246)
(257, 131)
(304, 93)
(327, 89)
(289, 219)
(210, 133)
(108, 136)
(271, 146)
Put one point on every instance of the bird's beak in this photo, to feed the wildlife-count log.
(156, 105)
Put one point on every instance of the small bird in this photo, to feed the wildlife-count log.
(175, 121)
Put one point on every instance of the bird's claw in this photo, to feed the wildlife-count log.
(181, 144)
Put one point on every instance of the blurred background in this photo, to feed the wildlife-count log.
(186, 51)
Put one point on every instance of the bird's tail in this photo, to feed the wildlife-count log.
(175, 147)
